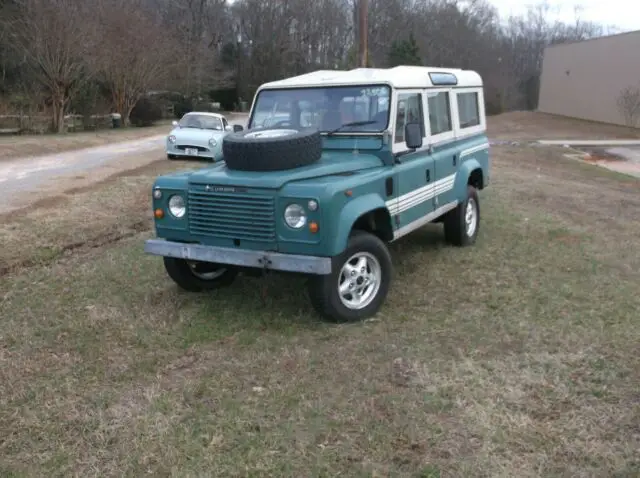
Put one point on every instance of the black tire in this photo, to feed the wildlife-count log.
(323, 290)
(171, 156)
(182, 273)
(456, 231)
(290, 151)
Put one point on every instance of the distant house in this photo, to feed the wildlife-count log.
(586, 79)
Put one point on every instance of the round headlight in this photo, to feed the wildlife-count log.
(157, 194)
(295, 216)
(177, 206)
(172, 138)
(213, 142)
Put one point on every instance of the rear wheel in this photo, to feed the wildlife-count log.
(462, 224)
(195, 276)
(359, 281)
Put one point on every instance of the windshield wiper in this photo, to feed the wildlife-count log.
(353, 123)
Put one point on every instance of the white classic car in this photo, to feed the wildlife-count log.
(199, 134)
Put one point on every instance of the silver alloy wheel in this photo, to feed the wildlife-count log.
(211, 275)
(471, 217)
(270, 133)
(359, 280)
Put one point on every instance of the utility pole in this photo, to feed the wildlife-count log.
(363, 13)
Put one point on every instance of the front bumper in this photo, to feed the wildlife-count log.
(240, 257)
(204, 151)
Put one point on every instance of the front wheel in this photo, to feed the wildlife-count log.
(358, 283)
(195, 276)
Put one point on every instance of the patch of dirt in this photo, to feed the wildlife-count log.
(14, 147)
(531, 125)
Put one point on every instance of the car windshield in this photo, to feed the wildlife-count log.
(201, 121)
(325, 109)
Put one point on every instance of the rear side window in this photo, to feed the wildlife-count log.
(439, 113)
(468, 110)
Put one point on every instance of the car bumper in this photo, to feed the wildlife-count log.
(246, 258)
(174, 150)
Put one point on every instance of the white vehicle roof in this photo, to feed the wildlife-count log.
(397, 77)
(203, 113)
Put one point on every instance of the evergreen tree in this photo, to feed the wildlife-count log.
(404, 52)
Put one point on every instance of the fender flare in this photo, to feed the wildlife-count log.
(462, 177)
(350, 213)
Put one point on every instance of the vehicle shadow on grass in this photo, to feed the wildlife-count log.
(279, 302)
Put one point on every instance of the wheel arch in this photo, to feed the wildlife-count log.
(367, 213)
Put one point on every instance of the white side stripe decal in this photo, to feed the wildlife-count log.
(429, 191)
(420, 195)
(475, 149)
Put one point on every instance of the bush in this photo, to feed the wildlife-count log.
(145, 113)
(182, 107)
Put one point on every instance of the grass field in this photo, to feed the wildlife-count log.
(517, 357)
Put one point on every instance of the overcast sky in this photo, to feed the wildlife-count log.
(625, 14)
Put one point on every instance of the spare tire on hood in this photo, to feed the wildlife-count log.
(271, 149)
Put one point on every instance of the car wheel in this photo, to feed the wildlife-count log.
(461, 225)
(171, 156)
(358, 283)
(195, 276)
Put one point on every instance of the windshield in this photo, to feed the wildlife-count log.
(201, 122)
(325, 108)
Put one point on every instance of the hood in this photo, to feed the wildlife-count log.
(196, 134)
(329, 164)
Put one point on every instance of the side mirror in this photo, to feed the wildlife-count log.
(174, 123)
(237, 127)
(413, 135)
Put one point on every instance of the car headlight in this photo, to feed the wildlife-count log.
(294, 216)
(177, 206)
(172, 138)
(213, 142)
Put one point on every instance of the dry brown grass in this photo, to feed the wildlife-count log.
(529, 125)
(12, 147)
(514, 358)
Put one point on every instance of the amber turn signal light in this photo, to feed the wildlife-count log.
(313, 227)
(158, 213)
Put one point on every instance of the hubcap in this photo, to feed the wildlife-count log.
(471, 217)
(270, 133)
(359, 280)
(206, 271)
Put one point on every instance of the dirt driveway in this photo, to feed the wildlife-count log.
(26, 180)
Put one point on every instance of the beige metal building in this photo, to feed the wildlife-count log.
(584, 79)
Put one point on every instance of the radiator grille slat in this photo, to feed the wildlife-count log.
(232, 216)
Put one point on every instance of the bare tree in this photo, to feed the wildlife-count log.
(135, 55)
(629, 105)
(54, 37)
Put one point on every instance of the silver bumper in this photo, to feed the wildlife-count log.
(242, 257)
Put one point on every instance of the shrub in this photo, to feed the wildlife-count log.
(145, 113)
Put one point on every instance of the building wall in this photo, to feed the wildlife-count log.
(584, 79)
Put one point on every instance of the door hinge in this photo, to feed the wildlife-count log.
(455, 159)
(428, 175)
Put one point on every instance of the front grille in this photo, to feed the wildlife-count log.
(182, 147)
(232, 215)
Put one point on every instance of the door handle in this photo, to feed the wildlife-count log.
(428, 175)
(455, 158)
